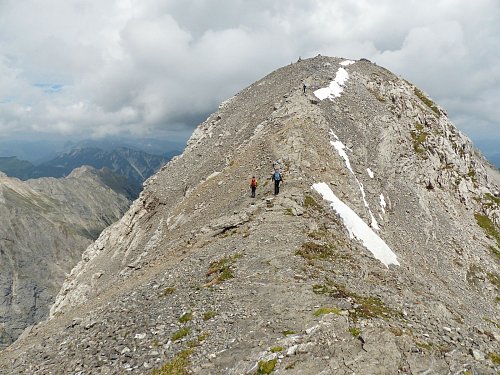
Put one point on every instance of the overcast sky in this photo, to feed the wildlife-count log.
(81, 68)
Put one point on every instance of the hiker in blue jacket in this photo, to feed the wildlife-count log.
(277, 178)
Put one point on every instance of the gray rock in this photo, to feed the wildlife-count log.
(478, 355)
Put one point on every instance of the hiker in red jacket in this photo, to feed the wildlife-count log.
(253, 186)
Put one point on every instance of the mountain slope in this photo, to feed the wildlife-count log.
(395, 271)
(14, 167)
(46, 224)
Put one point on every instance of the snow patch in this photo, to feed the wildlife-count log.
(335, 88)
(357, 227)
(382, 203)
(340, 147)
(370, 172)
(347, 62)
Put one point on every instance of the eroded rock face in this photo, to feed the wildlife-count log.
(199, 273)
(46, 224)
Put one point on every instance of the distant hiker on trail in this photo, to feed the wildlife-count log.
(253, 186)
(304, 86)
(277, 178)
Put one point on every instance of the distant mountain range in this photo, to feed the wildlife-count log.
(41, 151)
(136, 166)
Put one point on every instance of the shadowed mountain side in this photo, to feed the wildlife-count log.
(46, 224)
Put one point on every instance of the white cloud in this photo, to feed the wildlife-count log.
(149, 67)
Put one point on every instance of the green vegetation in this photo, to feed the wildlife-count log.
(419, 136)
(288, 332)
(208, 315)
(186, 317)
(289, 211)
(222, 269)
(167, 291)
(494, 278)
(177, 366)
(485, 222)
(276, 349)
(354, 331)
(372, 307)
(327, 310)
(310, 202)
(495, 358)
(366, 307)
(472, 175)
(396, 331)
(202, 337)
(180, 333)
(312, 250)
(229, 232)
(429, 103)
(492, 199)
(319, 234)
(322, 289)
(266, 367)
(425, 345)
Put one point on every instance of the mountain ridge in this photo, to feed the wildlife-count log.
(133, 165)
(197, 272)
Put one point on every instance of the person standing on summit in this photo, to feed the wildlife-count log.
(277, 178)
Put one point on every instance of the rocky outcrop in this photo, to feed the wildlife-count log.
(201, 277)
(46, 224)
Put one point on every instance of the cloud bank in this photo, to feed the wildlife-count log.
(157, 67)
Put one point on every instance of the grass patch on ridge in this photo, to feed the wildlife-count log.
(488, 226)
(177, 366)
(428, 102)
(222, 269)
(366, 307)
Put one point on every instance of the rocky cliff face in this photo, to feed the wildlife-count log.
(46, 224)
(379, 255)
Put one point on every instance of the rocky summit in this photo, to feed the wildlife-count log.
(379, 255)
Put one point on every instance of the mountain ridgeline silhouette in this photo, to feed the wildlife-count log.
(379, 254)
(134, 165)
